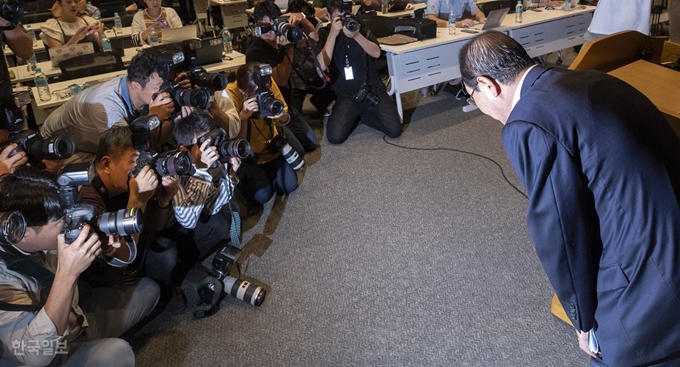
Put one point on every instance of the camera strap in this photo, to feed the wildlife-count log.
(28, 267)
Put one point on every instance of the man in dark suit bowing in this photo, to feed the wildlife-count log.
(601, 169)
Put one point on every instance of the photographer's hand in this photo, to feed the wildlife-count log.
(185, 111)
(350, 34)
(249, 107)
(232, 166)
(183, 80)
(281, 119)
(208, 155)
(72, 260)
(282, 40)
(9, 164)
(162, 106)
(170, 186)
(142, 188)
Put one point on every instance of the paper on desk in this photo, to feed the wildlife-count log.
(396, 39)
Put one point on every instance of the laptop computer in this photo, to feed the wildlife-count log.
(59, 54)
(203, 52)
(397, 5)
(174, 35)
(494, 19)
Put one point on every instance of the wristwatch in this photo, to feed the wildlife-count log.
(8, 27)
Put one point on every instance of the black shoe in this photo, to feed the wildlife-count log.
(323, 111)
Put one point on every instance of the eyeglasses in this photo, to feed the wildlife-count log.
(468, 96)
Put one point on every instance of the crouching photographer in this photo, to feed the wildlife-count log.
(126, 174)
(263, 114)
(46, 315)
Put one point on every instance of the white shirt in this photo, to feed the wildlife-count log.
(613, 16)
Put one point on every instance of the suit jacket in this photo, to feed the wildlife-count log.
(601, 167)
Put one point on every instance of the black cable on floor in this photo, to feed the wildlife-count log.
(464, 152)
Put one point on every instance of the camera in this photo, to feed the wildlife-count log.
(194, 97)
(12, 227)
(350, 22)
(170, 163)
(203, 79)
(267, 104)
(12, 10)
(280, 144)
(12, 110)
(365, 94)
(37, 148)
(219, 283)
(238, 148)
(123, 222)
(282, 28)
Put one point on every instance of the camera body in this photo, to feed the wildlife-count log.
(12, 110)
(238, 148)
(37, 148)
(170, 163)
(213, 82)
(12, 10)
(350, 22)
(219, 282)
(123, 222)
(365, 94)
(194, 97)
(282, 27)
(267, 103)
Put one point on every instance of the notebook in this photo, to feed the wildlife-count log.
(495, 18)
(203, 52)
(175, 35)
(59, 54)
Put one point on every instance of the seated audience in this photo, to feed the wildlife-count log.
(118, 101)
(361, 95)
(154, 16)
(84, 7)
(270, 173)
(439, 10)
(46, 315)
(71, 27)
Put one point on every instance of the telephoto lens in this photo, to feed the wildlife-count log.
(212, 81)
(238, 148)
(12, 227)
(173, 163)
(123, 222)
(197, 97)
(244, 290)
(59, 147)
(291, 156)
(350, 23)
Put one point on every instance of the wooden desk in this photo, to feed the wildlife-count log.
(658, 83)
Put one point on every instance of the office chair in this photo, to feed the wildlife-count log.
(90, 64)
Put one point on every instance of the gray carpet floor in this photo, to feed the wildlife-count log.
(386, 256)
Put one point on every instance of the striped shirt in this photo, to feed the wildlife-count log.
(198, 195)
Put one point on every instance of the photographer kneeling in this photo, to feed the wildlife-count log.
(349, 51)
(70, 324)
(262, 112)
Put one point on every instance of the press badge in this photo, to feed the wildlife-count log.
(348, 73)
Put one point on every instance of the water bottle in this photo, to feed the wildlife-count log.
(384, 7)
(567, 5)
(41, 83)
(106, 44)
(226, 40)
(518, 11)
(452, 24)
(77, 88)
(425, 16)
(31, 33)
(117, 23)
(153, 37)
(31, 63)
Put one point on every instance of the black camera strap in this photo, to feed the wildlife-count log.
(24, 265)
